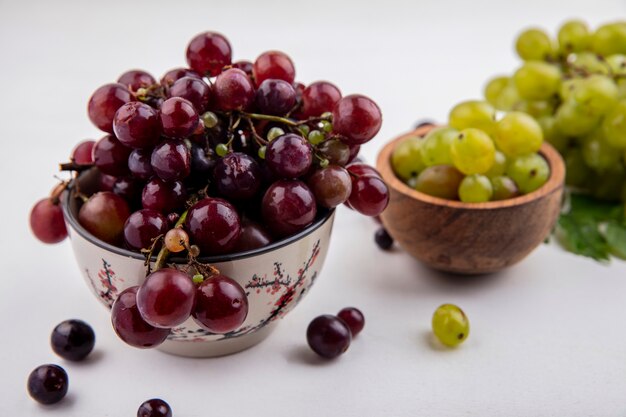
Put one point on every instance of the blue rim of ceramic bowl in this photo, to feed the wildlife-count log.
(326, 215)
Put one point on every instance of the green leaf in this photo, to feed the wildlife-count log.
(590, 208)
(580, 234)
(615, 235)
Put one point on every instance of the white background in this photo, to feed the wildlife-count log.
(548, 336)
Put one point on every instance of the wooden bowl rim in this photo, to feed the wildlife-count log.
(554, 183)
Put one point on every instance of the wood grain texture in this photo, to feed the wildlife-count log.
(470, 238)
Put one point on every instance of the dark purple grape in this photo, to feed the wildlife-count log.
(353, 318)
(275, 97)
(383, 239)
(171, 160)
(289, 156)
(357, 118)
(135, 79)
(233, 90)
(245, 66)
(73, 340)
(164, 197)
(354, 152)
(318, 98)
(193, 89)
(47, 222)
(129, 189)
(208, 53)
(154, 408)
(139, 164)
(142, 227)
(176, 74)
(221, 305)
(137, 125)
(130, 326)
(83, 152)
(214, 225)
(331, 186)
(253, 236)
(104, 215)
(237, 176)
(166, 298)
(202, 163)
(104, 103)
(328, 336)
(369, 196)
(172, 219)
(337, 152)
(106, 182)
(288, 207)
(274, 65)
(111, 156)
(179, 118)
(48, 384)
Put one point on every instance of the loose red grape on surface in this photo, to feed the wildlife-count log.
(328, 336)
(354, 318)
(154, 408)
(48, 384)
(73, 340)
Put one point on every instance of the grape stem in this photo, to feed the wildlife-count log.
(256, 136)
(279, 119)
(73, 166)
(164, 253)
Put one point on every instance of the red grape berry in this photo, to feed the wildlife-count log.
(142, 227)
(253, 236)
(154, 408)
(357, 118)
(104, 103)
(137, 125)
(166, 298)
(275, 97)
(178, 118)
(111, 156)
(139, 164)
(289, 156)
(331, 186)
(328, 336)
(83, 152)
(208, 53)
(171, 160)
(193, 89)
(176, 74)
(233, 90)
(318, 98)
(162, 196)
(353, 318)
(136, 79)
(288, 207)
(383, 239)
(274, 65)
(104, 215)
(214, 225)
(47, 223)
(221, 304)
(369, 196)
(47, 384)
(237, 176)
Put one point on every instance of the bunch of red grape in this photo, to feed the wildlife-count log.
(247, 154)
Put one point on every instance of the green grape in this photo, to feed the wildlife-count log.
(534, 44)
(450, 325)
(326, 126)
(274, 133)
(614, 126)
(316, 137)
(573, 119)
(617, 64)
(508, 97)
(473, 151)
(476, 114)
(439, 181)
(609, 39)
(567, 88)
(536, 108)
(406, 159)
(475, 188)
(518, 134)
(597, 93)
(536, 80)
(436, 147)
(598, 154)
(262, 151)
(499, 165)
(495, 88)
(304, 129)
(552, 134)
(529, 172)
(577, 171)
(503, 188)
(221, 149)
(209, 119)
(588, 62)
(573, 36)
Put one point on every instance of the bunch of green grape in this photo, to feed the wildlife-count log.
(478, 157)
(574, 86)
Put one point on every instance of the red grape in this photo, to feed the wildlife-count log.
(275, 97)
(193, 89)
(46, 221)
(360, 168)
(179, 118)
(135, 79)
(139, 163)
(130, 326)
(83, 152)
(171, 160)
(176, 74)
(213, 224)
(357, 118)
(154, 408)
(221, 304)
(331, 185)
(319, 97)
(129, 189)
(337, 152)
(328, 336)
(106, 182)
(162, 196)
(275, 65)
(104, 103)
(233, 90)
(137, 125)
(369, 196)
(288, 207)
(245, 66)
(353, 318)
(253, 236)
(289, 156)
(104, 215)
(237, 176)
(354, 152)
(166, 298)
(142, 227)
(208, 53)
(111, 156)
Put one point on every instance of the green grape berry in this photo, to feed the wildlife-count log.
(552, 134)
(324, 163)
(609, 39)
(473, 114)
(596, 93)
(567, 88)
(534, 44)
(536, 80)
(326, 126)
(499, 165)
(529, 172)
(406, 159)
(495, 88)
(210, 120)
(316, 137)
(588, 62)
(274, 133)
(475, 188)
(518, 134)
(577, 172)
(439, 181)
(221, 149)
(450, 325)
(503, 188)
(574, 120)
(535, 108)
(262, 151)
(473, 151)
(614, 126)
(436, 147)
(573, 36)
(304, 129)
(597, 152)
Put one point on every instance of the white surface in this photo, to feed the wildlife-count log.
(547, 336)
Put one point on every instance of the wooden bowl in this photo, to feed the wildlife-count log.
(470, 238)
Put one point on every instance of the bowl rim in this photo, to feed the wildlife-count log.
(74, 224)
(552, 157)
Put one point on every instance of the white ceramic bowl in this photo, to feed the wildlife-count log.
(275, 278)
